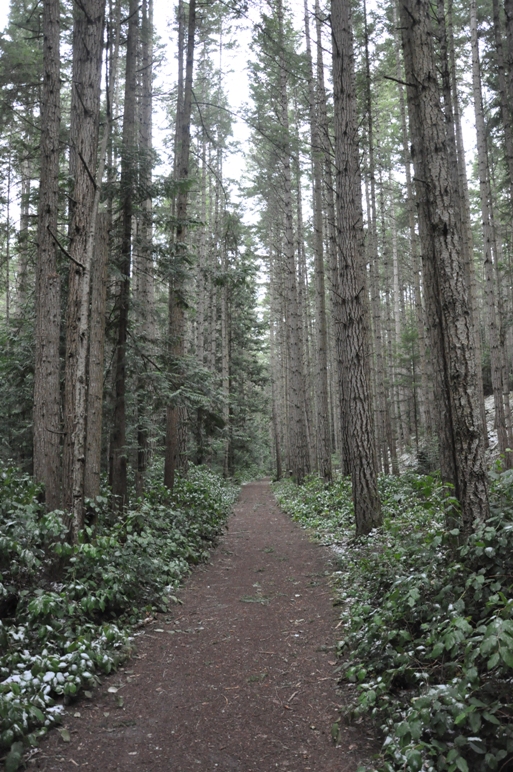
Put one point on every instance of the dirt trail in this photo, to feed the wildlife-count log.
(241, 677)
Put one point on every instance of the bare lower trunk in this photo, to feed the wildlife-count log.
(352, 285)
(144, 291)
(118, 450)
(488, 245)
(46, 373)
(426, 391)
(467, 238)
(445, 276)
(342, 408)
(321, 378)
(297, 429)
(176, 426)
(85, 113)
(96, 359)
(274, 373)
(225, 365)
(378, 371)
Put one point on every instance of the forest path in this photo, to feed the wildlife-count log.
(240, 677)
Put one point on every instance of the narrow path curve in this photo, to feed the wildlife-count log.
(240, 677)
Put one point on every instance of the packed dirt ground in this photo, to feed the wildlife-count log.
(240, 676)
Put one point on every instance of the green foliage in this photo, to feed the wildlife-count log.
(66, 611)
(16, 390)
(428, 640)
(327, 509)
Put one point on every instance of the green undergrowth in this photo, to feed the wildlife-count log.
(428, 627)
(67, 612)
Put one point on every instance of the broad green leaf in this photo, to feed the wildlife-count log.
(38, 714)
(507, 656)
(474, 720)
(489, 644)
(414, 760)
(402, 729)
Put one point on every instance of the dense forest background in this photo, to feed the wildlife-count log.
(154, 307)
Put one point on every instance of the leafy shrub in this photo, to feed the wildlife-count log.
(65, 611)
(428, 628)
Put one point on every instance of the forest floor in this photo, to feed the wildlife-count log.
(241, 676)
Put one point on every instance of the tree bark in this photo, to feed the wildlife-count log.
(274, 370)
(305, 318)
(321, 380)
(446, 281)
(342, 408)
(96, 359)
(176, 414)
(118, 450)
(85, 114)
(143, 259)
(225, 370)
(489, 246)
(46, 418)
(352, 284)
(467, 237)
(426, 392)
(297, 430)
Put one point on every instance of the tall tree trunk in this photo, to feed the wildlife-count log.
(458, 169)
(426, 391)
(305, 317)
(202, 262)
(392, 406)
(96, 358)
(274, 371)
(467, 238)
(342, 407)
(446, 281)
(85, 115)
(352, 284)
(392, 421)
(225, 363)
(321, 379)
(488, 245)
(8, 242)
(376, 337)
(118, 450)
(372, 239)
(297, 430)
(442, 408)
(143, 270)
(175, 424)
(46, 417)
